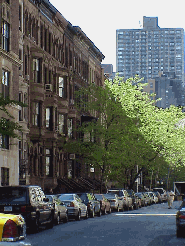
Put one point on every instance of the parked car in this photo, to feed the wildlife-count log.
(154, 198)
(13, 230)
(60, 210)
(30, 202)
(76, 208)
(158, 195)
(148, 198)
(123, 194)
(104, 203)
(115, 202)
(93, 205)
(135, 199)
(180, 220)
(162, 193)
(142, 199)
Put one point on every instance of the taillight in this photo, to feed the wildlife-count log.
(89, 204)
(10, 231)
(71, 204)
(27, 209)
(23, 209)
(181, 216)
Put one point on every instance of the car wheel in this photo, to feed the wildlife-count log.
(92, 214)
(99, 213)
(179, 232)
(65, 220)
(57, 219)
(87, 215)
(35, 227)
(78, 217)
(50, 224)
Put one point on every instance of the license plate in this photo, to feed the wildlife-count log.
(8, 209)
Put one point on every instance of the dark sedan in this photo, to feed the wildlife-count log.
(180, 220)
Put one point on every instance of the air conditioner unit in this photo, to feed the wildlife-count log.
(48, 87)
(72, 156)
(27, 77)
(71, 101)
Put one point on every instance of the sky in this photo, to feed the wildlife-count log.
(99, 19)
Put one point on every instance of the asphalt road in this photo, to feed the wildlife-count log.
(150, 226)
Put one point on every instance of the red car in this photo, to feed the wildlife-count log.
(104, 203)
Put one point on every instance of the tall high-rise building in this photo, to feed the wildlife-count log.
(150, 50)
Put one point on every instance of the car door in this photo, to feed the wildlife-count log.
(82, 207)
(61, 208)
(96, 203)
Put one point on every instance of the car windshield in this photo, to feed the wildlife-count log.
(66, 197)
(110, 196)
(12, 194)
(160, 191)
(83, 196)
(139, 195)
(113, 192)
(99, 197)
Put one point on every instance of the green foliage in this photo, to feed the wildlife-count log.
(7, 125)
(129, 130)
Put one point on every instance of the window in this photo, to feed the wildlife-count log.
(61, 87)
(4, 176)
(36, 114)
(21, 108)
(49, 122)
(4, 142)
(5, 36)
(5, 83)
(49, 162)
(61, 123)
(151, 85)
(70, 127)
(36, 70)
(20, 17)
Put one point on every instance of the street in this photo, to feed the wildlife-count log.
(153, 225)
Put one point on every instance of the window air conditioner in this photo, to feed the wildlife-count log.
(72, 156)
(48, 87)
(71, 101)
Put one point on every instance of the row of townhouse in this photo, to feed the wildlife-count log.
(44, 59)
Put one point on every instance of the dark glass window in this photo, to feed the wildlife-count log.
(4, 176)
(5, 36)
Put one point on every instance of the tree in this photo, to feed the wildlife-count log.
(7, 125)
(156, 125)
(130, 131)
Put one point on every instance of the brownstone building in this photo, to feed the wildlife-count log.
(9, 86)
(58, 59)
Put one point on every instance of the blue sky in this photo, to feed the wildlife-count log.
(99, 19)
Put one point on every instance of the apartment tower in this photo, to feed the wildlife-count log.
(150, 50)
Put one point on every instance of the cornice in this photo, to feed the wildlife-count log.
(10, 57)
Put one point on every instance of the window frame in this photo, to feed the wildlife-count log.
(5, 84)
(5, 38)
